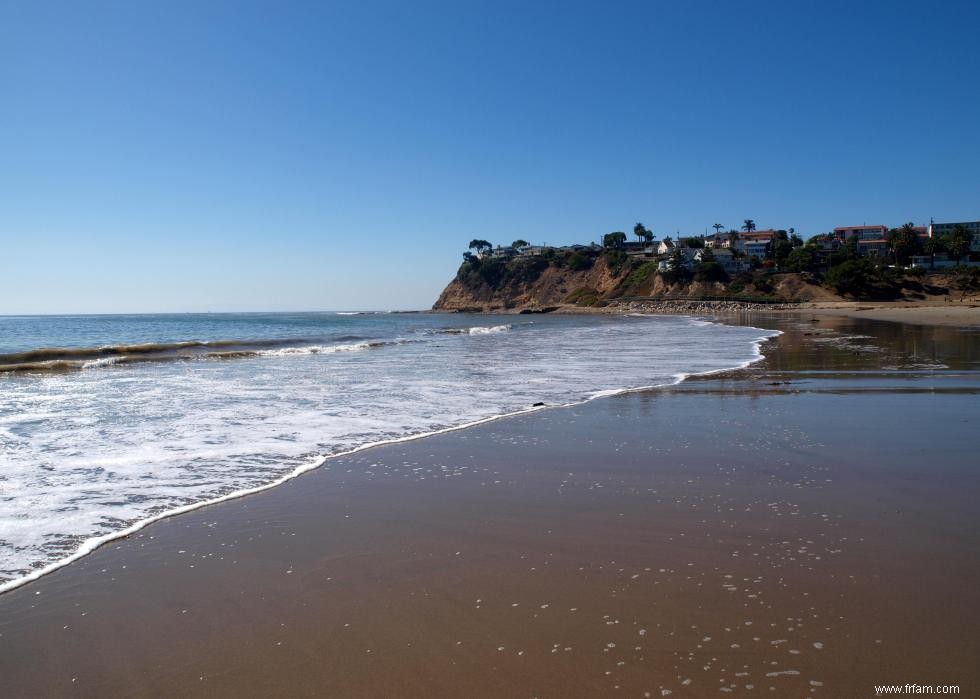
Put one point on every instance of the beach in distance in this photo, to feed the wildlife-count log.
(788, 510)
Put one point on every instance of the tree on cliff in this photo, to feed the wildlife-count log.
(957, 243)
(615, 240)
(676, 267)
(708, 268)
(642, 233)
(481, 246)
(748, 226)
(780, 250)
(904, 242)
(519, 243)
(931, 246)
(802, 259)
(717, 227)
(857, 277)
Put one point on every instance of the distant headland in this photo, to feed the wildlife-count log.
(732, 267)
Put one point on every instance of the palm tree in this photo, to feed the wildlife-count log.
(717, 227)
(748, 226)
(957, 243)
(903, 242)
(641, 232)
(931, 247)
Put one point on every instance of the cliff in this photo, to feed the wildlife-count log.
(590, 280)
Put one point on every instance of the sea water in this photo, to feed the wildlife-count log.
(109, 421)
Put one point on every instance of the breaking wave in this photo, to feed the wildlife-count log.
(477, 330)
(55, 359)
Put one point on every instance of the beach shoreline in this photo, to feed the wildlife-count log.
(476, 511)
(961, 313)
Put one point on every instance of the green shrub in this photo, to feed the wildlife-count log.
(641, 274)
(583, 296)
(857, 277)
(579, 261)
(966, 278)
(615, 260)
(802, 260)
(525, 269)
(762, 283)
(710, 271)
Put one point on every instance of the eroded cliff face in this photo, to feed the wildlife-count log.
(596, 279)
(526, 289)
(537, 284)
(528, 284)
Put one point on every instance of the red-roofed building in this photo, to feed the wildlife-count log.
(755, 243)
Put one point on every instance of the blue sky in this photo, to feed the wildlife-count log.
(188, 156)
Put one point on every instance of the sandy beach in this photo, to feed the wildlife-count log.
(803, 527)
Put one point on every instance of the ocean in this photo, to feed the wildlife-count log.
(110, 422)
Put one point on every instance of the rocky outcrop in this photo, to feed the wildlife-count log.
(526, 287)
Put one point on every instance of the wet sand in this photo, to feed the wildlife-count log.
(804, 527)
(956, 313)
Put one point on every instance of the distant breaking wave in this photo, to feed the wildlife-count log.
(320, 349)
(60, 359)
(477, 330)
(76, 358)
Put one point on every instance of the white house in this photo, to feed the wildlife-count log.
(645, 251)
(503, 253)
(532, 250)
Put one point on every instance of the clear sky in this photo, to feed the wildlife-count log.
(194, 156)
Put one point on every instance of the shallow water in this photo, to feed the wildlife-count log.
(220, 403)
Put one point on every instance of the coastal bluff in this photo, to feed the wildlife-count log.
(542, 283)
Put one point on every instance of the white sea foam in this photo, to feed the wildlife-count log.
(481, 330)
(316, 349)
(91, 456)
(100, 362)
